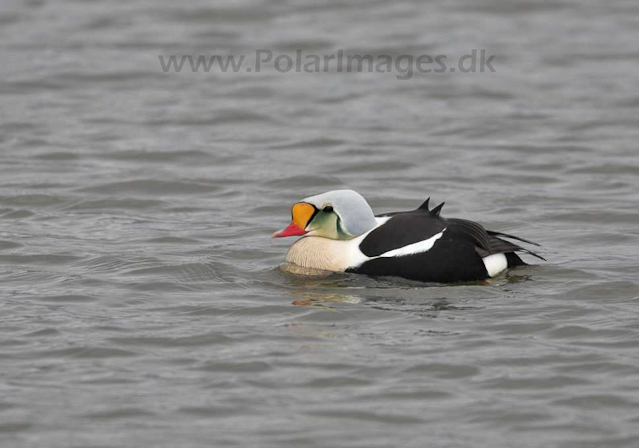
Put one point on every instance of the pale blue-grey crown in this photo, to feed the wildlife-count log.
(355, 214)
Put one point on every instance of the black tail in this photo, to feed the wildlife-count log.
(497, 245)
(513, 260)
(512, 237)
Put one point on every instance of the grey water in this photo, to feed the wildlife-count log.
(141, 300)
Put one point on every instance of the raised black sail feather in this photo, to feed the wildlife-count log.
(487, 241)
(424, 205)
(437, 210)
(340, 233)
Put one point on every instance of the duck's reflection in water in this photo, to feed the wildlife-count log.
(303, 272)
(312, 287)
(320, 299)
(316, 287)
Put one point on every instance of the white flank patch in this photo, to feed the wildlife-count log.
(382, 220)
(495, 264)
(415, 248)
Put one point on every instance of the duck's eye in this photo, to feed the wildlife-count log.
(328, 209)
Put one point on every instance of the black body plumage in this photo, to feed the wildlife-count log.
(454, 257)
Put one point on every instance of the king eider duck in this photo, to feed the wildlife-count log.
(340, 233)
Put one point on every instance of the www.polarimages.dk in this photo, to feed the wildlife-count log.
(405, 65)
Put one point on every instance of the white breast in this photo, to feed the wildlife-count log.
(323, 253)
(338, 255)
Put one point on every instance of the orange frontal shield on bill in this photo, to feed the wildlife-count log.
(302, 214)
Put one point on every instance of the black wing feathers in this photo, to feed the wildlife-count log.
(404, 228)
(400, 231)
(500, 246)
(505, 235)
(475, 230)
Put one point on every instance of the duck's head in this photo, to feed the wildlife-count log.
(338, 215)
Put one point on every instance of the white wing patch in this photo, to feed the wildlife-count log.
(354, 256)
(412, 249)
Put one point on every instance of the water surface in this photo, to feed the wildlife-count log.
(142, 304)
